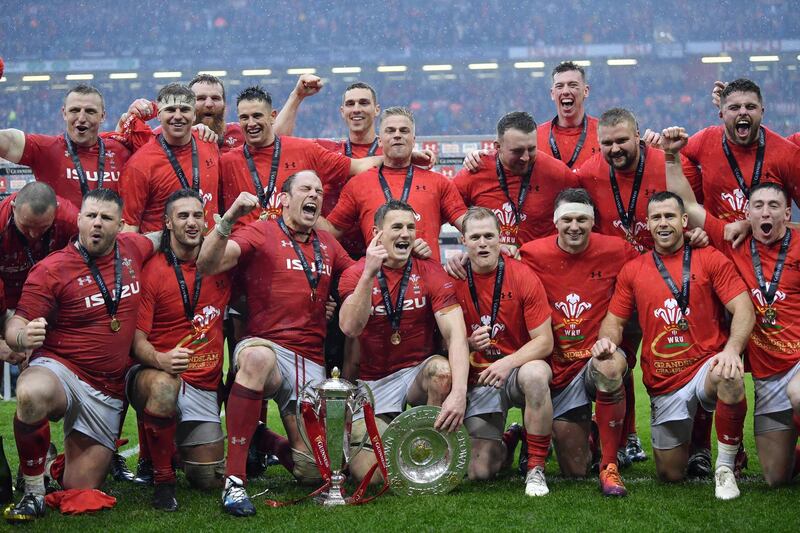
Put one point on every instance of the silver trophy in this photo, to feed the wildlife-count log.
(335, 401)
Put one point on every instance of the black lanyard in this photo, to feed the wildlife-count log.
(188, 305)
(394, 312)
(737, 172)
(524, 186)
(313, 281)
(76, 162)
(578, 147)
(627, 217)
(177, 167)
(769, 292)
(387, 192)
(348, 148)
(44, 239)
(498, 286)
(112, 303)
(263, 199)
(682, 295)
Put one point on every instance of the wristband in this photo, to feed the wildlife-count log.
(222, 226)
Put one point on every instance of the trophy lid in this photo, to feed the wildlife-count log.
(336, 384)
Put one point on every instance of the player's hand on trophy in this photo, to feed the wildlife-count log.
(308, 85)
(376, 255)
(243, 204)
(603, 348)
(205, 133)
(452, 415)
(421, 249)
(480, 339)
(455, 265)
(673, 139)
(496, 374)
(174, 361)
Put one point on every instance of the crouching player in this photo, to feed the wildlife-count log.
(178, 345)
(508, 323)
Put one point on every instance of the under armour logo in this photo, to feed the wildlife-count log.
(85, 280)
(731, 439)
(421, 188)
(506, 295)
(596, 274)
(291, 164)
(238, 440)
(285, 244)
(376, 291)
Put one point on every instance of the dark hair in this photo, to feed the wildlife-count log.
(741, 85)
(478, 213)
(771, 185)
(85, 88)
(287, 185)
(518, 120)
(255, 92)
(361, 85)
(617, 115)
(391, 205)
(175, 89)
(210, 79)
(180, 194)
(566, 66)
(103, 195)
(664, 196)
(38, 195)
(574, 195)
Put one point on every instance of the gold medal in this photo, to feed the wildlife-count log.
(395, 338)
(263, 215)
(683, 324)
(115, 325)
(771, 314)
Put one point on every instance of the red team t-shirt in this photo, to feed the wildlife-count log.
(60, 288)
(429, 290)
(296, 155)
(594, 177)
(149, 179)
(49, 159)
(433, 197)
(232, 138)
(483, 189)
(718, 188)
(670, 356)
(523, 307)
(279, 302)
(794, 138)
(774, 347)
(579, 288)
(567, 140)
(162, 318)
(14, 261)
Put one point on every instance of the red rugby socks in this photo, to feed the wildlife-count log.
(537, 449)
(32, 440)
(730, 428)
(242, 412)
(160, 438)
(610, 416)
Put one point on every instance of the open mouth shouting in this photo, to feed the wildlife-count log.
(567, 103)
(743, 128)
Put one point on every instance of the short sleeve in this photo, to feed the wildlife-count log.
(452, 206)
(349, 279)
(536, 308)
(134, 189)
(250, 238)
(345, 214)
(150, 285)
(39, 293)
(333, 166)
(623, 302)
(440, 286)
(727, 282)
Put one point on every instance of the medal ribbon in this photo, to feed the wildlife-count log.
(112, 303)
(177, 167)
(524, 185)
(737, 172)
(348, 148)
(263, 199)
(578, 147)
(313, 281)
(498, 285)
(627, 217)
(769, 293)
(394, 313)
(188, 305)
(682, 295)
(76, 162)
(387, 193)
(45, 240)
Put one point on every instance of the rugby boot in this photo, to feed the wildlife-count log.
(523, 460)
(256, 460)
(740, 463)
(511, 438)
(235, 500)
(725, 484)
(50, 484)
(634, 450)
(29, 508)
(699, 465)
(144, 472)
(164, 497)
(119, 468)
(611, 482)
(535, 482)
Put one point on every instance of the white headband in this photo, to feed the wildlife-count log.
(176, 100)
(573, 207)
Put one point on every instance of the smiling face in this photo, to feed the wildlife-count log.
(768, 214)
(569, 91)
(742, 113)
(176, 122)
(397, 140)
(620, 145)
(359, 110)
(517, 150)
(399, 233)
(482, 241)
(186, 221)
(574, 230)
(83, 115)
(666, 224)
(256, 118)
(99, 222)
(302, 205)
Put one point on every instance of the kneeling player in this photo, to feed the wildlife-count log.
(179, 346)
(508, 321)
(391, 301)
(687, 357)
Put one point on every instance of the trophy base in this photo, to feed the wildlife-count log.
(331, 498)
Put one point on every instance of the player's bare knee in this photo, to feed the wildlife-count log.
(163, 394)
(534, 380)
(793, 392)
(256, 363)
(34, 399)
(730, 390)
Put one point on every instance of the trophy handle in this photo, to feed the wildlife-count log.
(364, 395)
(306, 392)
